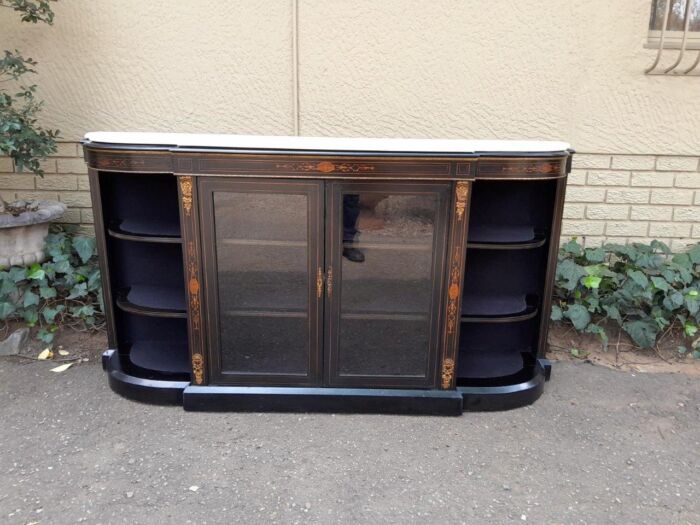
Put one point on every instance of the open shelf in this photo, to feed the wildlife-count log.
(505, 238)
(156, 301)
(498, 308)
(160, 357)
(140, 208)
(494, 355)
(152, 347)
(128, 231)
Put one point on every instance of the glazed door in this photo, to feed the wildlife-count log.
(263, 258)
(385, 245)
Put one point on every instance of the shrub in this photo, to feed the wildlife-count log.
(643, 288)
(64, 291)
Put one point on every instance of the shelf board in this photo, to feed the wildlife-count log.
(383, 316)
(155, 301)
(161, 357)
(482, 308)
(389, 246)
(147, 228)
(263, 242)
(490, 363)
(118, 234)
(504, 238)
(271, 312)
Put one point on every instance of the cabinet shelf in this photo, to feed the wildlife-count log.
(263, 242)
(505, 238)
(118, 233)
(147, 229)
(160, 357)
(501, 308)
(492, 366)
(155, 301)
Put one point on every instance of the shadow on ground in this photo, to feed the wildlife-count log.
(600, 446)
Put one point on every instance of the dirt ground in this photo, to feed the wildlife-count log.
(621, 354)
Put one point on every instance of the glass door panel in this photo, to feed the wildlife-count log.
(385, 244)
(261, 247)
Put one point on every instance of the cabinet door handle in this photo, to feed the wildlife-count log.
(329, 282)
(319, 283)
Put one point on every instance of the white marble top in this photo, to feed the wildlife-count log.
(261, 142)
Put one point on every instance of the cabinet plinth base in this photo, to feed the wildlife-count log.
(321, 399)
(492, 398)
(152, 391)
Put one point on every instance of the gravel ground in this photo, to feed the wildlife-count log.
(600, 446)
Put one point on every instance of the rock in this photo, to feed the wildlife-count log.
(15, 342)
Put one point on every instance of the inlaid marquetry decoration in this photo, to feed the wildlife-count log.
(326, 167)
(453, 292)
(119, 163)
(193, 286)
(455, 276)
(198, 368)
(186, 189)
(329, 282)
(448, 371)
(461, 193)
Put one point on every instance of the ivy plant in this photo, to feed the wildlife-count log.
(64, 291)
(21, 137)
(643, 288)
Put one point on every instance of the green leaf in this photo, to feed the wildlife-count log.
(557, 314)
(682, 349)
(642, 332)
(578, 315)
(570, 273)
(85, 247)
(6, 309)
(18, 274)
(79, 290)
(591, 281)
(30, 299)
(690, 329)
(696, 354)
(50, 314)
(613, 312)
(47, 292)
(46, 336)
(36, 272)
(638, 277)
(660, 283)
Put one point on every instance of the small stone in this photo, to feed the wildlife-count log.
(15, 342)
(129, 494)
(194, 488)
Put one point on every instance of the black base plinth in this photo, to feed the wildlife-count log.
(320, 399)
(336, 400)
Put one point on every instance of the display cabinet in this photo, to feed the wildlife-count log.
(316, 274)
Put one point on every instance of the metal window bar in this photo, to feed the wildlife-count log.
(684, 42)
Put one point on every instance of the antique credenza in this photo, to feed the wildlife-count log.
(319, 274)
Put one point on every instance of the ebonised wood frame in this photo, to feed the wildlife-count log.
(199, 171)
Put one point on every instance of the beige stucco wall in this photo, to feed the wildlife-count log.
(549, 69)
(454, 68)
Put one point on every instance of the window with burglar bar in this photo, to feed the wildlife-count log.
(675, 25)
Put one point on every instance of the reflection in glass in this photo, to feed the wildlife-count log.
(386, 285)
(262, 264)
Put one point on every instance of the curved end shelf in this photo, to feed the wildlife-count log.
(499, 309)
(153, 301)
(160, 357)
(505, 238)
(507, 397)
(139, 389)
(146, 230)
(126, 236)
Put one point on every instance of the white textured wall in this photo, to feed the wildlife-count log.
(569, 69)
